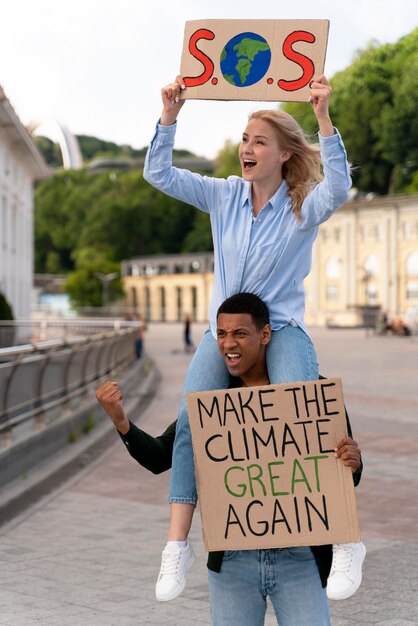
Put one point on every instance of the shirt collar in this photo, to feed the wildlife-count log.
(276, 202)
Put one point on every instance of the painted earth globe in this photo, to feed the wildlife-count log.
(245, 59)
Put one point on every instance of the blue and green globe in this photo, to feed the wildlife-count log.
(245, 59)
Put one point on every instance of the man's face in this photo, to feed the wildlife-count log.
(241, 344)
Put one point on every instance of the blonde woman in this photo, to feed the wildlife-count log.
(263, 226)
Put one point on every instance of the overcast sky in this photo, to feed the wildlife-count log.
(97, 66)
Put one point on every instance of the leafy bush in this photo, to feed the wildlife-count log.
(6, 311)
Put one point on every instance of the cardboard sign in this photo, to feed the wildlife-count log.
(252, 59)
(265, 467)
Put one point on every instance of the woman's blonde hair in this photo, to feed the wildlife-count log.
(303, 168)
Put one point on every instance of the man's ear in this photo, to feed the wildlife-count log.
(265, 335)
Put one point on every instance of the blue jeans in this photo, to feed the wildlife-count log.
(288, 576)
(290, 357)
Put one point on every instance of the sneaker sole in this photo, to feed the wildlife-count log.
(180, 589)
(344, 595)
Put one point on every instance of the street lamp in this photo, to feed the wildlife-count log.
(106, 279)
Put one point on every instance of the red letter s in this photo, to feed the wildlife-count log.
(305, 63)
(207, 63)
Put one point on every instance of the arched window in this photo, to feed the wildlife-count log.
(412, 264)
(333, 268)
(412, 274)
(371, 265)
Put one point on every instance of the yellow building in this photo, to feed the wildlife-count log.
(167, 287)
(365, 259)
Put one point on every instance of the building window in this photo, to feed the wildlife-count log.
(4, 230)
(179, 302)
(412, 290)
(162, 304)
(194, 267)
(194, 303)
(178, 268)
(371, 265)
(332, 293)
(134, 299)
(406, 230)
(412, 264)
(147, 303)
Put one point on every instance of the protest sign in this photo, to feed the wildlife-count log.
(270, 60)
(266, 472)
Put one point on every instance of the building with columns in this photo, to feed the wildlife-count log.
(21, 164)
(365, 259)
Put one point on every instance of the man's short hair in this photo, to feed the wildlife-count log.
(246, 303)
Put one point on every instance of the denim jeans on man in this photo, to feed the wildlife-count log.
(288, 576)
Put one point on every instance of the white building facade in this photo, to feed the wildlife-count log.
(21, 164)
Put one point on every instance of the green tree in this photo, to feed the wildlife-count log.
(6, 311)
(227, 161)
(375, 108)
(84, 285)
(199, 239)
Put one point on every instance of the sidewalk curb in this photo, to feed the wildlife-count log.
(26, 491)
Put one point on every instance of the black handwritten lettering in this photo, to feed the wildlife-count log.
(258, 439)
(313, 400)
(210, 455)
(288, 439)
(265, 405)
(295, 398)
(323, 517)
(246, 405)
(264, 524)
(326, 400)
(229, 407)
(279, 520)
(231, 522)
(322, 433)
(303, 424)
(209, 412)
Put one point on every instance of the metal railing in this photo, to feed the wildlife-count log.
(43, 380)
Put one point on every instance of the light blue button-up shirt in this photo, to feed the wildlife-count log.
(269, 256)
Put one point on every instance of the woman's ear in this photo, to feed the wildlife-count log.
(285, 156)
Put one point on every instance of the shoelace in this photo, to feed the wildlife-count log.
(343, 556)
(170, 563)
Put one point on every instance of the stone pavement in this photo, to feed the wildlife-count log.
(89, 554)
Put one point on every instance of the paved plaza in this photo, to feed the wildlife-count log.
(89, 554)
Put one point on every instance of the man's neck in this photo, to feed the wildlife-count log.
(255, 381)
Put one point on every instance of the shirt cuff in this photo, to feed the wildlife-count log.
(331, 143)
(125, 438)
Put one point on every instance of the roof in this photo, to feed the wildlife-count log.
(20, 140)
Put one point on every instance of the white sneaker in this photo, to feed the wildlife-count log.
(171, 580)
(345, 575)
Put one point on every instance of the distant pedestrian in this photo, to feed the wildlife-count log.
(139, 342)
(188, 343)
